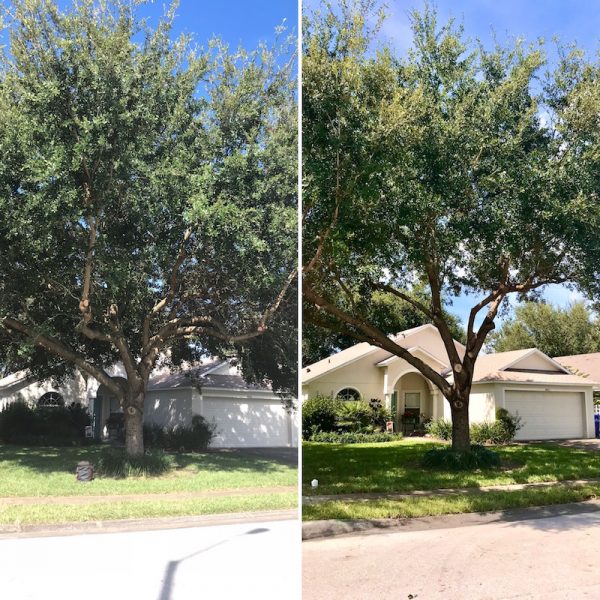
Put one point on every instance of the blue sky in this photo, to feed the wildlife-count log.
(569, 20)
(236, 21)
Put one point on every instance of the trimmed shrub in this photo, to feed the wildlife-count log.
(510, 424)
(43, 425)
(440, 428)
(352, 437)
(319, 414)
(449, 460)
(114, 462)
(195, 438)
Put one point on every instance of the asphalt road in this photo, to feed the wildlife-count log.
(547, 558)
(256, 560)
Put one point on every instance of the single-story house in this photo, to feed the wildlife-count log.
(551, 401)
(246, 415)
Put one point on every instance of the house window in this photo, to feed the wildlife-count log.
(412, 401)
(51, 399)
(348, 394)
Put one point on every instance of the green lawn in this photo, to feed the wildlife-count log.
(50, 471)
(65, 513)
(395, 467)
(442, 505)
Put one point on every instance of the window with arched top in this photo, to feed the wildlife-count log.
(348, 394)
(51, 399)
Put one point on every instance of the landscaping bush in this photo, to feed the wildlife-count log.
(319, 414)
(509, 424)
(195, 438)
(352, 437)
(21, 423)
(501, 431)
(440, 428)
(114, 462)
(447, 459)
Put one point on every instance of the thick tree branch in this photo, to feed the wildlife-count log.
(173, 284)
(58, 348)
(376, 337)
(437, 315)
(392, 290)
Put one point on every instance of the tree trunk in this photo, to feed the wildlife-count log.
(461, 436)
(134, 424)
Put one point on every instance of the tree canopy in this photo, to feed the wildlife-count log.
(459, 167)
(553, 330)
(148, 197)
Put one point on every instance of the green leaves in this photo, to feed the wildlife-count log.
(116, 140)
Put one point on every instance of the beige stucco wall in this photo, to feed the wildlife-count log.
(482, 403)
(362, 375)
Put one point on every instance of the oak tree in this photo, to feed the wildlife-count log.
(455, 166)
(147, 198)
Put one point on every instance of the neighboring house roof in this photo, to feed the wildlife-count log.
(406, 339)
(504, 366)
(583, 364)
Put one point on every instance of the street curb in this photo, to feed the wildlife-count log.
(313, 530)
(152, 524)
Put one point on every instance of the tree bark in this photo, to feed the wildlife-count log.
(134, 423)
(459, 407)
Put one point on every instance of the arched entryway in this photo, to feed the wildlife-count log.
(413, 398)
(106, 406)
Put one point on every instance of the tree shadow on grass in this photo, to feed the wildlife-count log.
(397, 468)
(54, 459)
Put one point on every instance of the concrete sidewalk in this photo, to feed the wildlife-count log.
(447, 491)
(94, 499)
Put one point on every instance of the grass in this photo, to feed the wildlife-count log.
(65, 513)
(443, 505)
(396, 467)
(50, 471)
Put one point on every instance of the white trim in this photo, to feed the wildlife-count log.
(544, 384)
(540, 353)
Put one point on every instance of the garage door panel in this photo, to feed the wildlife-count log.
(547, 415)
(247, 423)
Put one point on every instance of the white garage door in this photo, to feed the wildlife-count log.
(247, 423)
(547, 415)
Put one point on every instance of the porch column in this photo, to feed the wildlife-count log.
(385, 381)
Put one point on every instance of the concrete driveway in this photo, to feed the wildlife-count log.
(554, 558)
(583, 444)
